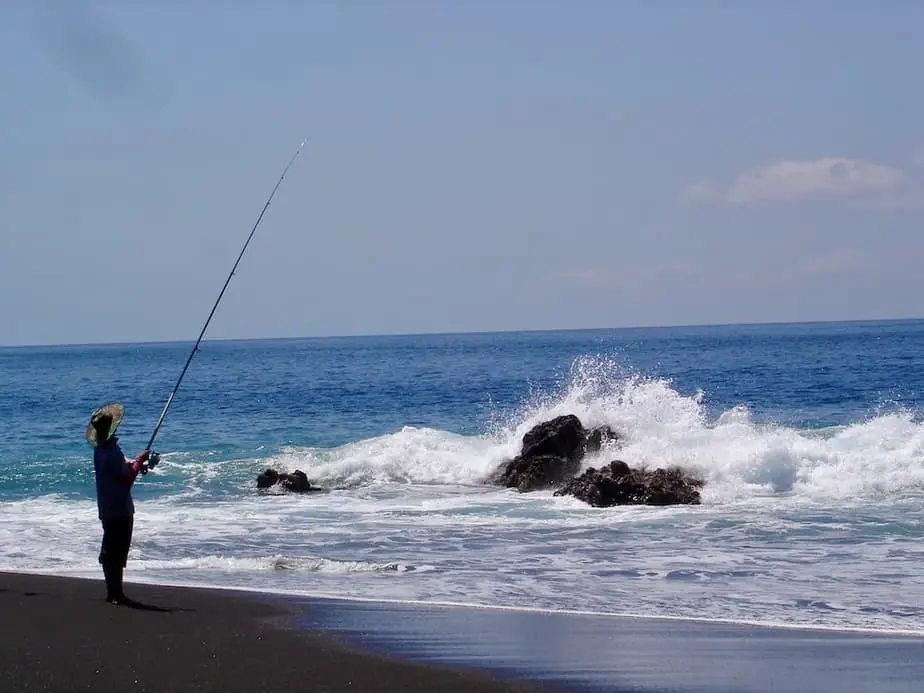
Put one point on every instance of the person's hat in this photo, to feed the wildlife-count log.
(111, 413)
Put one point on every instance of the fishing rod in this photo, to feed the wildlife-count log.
(195, 348)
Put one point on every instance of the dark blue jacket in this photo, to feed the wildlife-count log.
(114, 480)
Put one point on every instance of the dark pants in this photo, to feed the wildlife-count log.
(117, 539)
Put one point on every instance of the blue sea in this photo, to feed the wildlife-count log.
(809, 436)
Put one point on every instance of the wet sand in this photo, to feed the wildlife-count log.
(596, 653)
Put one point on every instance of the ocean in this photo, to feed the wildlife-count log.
(809, 437)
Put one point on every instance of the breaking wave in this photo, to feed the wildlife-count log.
(659, 426)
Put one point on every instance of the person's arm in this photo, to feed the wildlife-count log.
(125, 469)
(135, 465)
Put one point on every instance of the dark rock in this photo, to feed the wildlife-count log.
(268, 478)
(618, 468)
(598, 437)
(297, 481)
(618, 484)
(551, 453)
(533, 473)
(563, 436)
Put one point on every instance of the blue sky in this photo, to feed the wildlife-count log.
(469, 166)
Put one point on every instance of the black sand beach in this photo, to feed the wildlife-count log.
(60, 635)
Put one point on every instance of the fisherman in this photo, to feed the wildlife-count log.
(114, 478)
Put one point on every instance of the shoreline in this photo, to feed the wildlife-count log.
(65, 635)
(306, 596)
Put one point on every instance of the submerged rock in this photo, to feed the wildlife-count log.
(618, 484)
(297, 481)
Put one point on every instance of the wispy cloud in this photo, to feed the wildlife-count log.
(582, 276)
(917, 156)
(624, 277)
(703, 191)
(836, 261)
(91, 49)
(831, 178)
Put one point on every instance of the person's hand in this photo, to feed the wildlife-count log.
(143, 457)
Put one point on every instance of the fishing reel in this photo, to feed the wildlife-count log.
(152, 462)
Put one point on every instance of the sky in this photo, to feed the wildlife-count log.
(471, 166)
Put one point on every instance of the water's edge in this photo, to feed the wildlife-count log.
(589, 652)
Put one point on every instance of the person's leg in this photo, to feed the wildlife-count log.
(125, 547)
(114, 555)
(106, 559)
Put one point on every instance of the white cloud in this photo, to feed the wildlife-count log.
(811, 180)
(830, 178)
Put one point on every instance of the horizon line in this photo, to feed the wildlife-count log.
(371, 335)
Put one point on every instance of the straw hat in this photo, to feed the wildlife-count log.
(112, 411)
